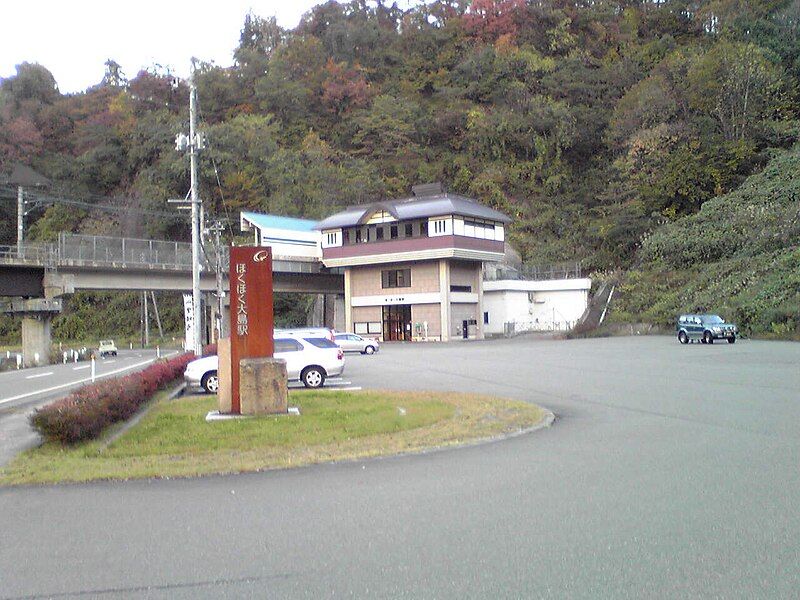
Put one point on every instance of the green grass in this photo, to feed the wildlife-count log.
(174, 440)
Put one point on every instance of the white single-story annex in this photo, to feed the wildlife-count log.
(514, 306)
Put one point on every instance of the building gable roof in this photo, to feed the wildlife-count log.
(414, 208)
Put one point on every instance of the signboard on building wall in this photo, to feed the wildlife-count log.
(251, 310)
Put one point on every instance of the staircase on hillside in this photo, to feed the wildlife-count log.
(598, 307)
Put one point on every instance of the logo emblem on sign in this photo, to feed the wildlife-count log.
(261, 256)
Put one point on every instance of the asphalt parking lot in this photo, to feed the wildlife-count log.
(671, 471)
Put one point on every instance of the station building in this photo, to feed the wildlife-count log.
(413, 267)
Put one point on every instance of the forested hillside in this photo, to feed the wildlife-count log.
(591, 123)
(740, 255)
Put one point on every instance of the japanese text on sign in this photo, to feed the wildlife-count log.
(241, 289)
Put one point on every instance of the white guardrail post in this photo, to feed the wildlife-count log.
(93, 369)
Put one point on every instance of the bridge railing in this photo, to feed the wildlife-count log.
(106, 250)
(34, 254)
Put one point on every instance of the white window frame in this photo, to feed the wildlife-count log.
(332, 238)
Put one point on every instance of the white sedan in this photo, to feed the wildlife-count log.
(308, 360)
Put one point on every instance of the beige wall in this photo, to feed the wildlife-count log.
(425, 278)
(366, 281)
(465, 273)
(459, 313)
(430, 313)
(366, 313)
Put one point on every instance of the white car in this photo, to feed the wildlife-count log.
(106, 348)
(308, 360)
(306, 332)
(352, 342)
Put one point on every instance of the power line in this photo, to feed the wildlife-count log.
(228, 219)
(34, 197)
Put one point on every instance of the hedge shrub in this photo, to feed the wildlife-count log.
(87, 411)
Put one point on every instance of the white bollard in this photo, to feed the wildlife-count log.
(65, 358)
(36, 358)
(8, 353)
(19, 361)
(75, 355)
(93, 369)
(158, 351)
(130, 345)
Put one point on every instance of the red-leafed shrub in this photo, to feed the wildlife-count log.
(87, 411)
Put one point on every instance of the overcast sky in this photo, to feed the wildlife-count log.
(74, 39)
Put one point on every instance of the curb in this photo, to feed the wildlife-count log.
(547, 421)
(134, 420)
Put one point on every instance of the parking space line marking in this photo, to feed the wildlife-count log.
(108, 362)
(39, 375)
(353, 388)
(83, 367)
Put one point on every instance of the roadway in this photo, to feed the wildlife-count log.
(671, 471)
(23, 390)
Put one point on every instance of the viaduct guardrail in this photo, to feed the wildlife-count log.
(129, 253)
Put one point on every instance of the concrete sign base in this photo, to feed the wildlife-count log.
(263, 386)
(224, 374)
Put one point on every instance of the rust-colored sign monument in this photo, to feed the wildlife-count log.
(251, 310)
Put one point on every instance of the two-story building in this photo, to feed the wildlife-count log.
(412, 267)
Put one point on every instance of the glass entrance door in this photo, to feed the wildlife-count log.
(397, 323)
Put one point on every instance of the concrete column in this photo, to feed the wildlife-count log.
(348, 307)
(330, 312)
(338, 313)
(37, 314)
(36, 339)
(444, 289)
(480, 334)
(316, 317)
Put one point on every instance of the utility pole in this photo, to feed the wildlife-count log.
(194, 143)
(198, 313)
(20, 217)
(217, 228)
(146, 321)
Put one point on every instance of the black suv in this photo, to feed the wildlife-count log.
(705, 328)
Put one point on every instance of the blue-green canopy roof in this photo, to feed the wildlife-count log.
(279, 222)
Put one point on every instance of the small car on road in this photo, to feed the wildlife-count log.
(705, 328)
(352, 342)
(106, 348)
(308, 360)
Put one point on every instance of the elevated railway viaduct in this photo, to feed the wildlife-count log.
(34, 277)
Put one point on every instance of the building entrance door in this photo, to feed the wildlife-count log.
(397, 323)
